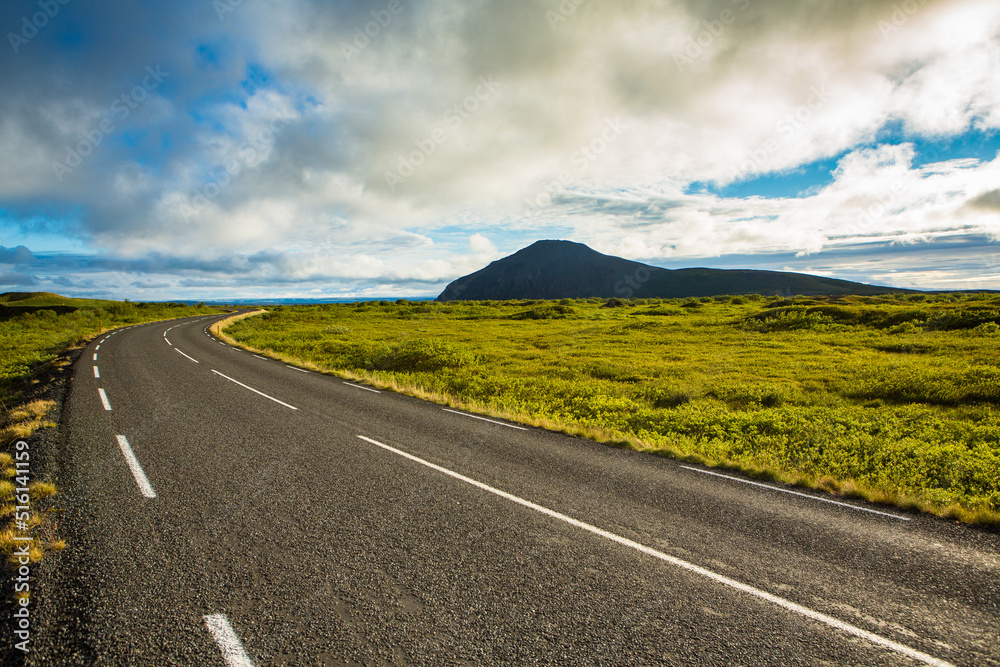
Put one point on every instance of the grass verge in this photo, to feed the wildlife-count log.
(889, 400)
(27, 527)
(38, 332)
(218, 329)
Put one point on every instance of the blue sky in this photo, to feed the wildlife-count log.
(978, 143)
(299, 148)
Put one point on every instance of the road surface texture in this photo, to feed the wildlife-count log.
(227, 509)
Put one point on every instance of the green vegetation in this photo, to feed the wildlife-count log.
(895, 399)
(36, 331)
(36, 326)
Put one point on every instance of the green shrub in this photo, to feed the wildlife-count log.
(417, 356)
(609, 370)
(788, 319)
(952, 320)
(547, 312)
(905, 328)
(755, 394)
(987, 329)
(905, 348)
(980, 384)
(669, 397)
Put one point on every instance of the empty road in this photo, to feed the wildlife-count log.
(226, 509)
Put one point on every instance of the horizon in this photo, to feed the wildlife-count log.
(308, 150)
(280, 300)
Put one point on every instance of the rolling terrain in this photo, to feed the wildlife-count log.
(226, 509)
(567, 270)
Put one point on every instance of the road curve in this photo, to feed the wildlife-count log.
(227, 509)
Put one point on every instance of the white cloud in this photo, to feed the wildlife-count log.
(715, 91)
(876, 196)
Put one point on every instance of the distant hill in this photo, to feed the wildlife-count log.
(568, 270)
(20, 303)
(41, 299)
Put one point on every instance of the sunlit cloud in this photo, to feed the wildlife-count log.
(336, 148)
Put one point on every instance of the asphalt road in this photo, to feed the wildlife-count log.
(272, 516)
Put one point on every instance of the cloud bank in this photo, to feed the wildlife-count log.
(332, 148)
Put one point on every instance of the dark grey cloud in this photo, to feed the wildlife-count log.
(11, 279)
(638, 212)
(75, 283)
(956, 262)
(17, 255)
(989, 201)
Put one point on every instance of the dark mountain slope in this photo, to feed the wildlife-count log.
(545, 270)
(566, 270)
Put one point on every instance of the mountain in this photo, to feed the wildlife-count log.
(568, 270)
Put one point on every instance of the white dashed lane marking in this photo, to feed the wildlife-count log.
(232, 648)
(140, 477)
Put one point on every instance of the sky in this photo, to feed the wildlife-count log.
(224, 149)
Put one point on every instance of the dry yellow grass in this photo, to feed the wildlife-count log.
(218, 328)
(20, 423)
(40, 490)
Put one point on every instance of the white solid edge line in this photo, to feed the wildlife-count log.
(189, 357)
(232, 648)
(690, 567)
(104, 399)
(254, 390)
(97, 373)
(140, 477)
(464, 414)
(358, 386)
(796, 493)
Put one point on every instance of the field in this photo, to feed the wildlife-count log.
(895, 399)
